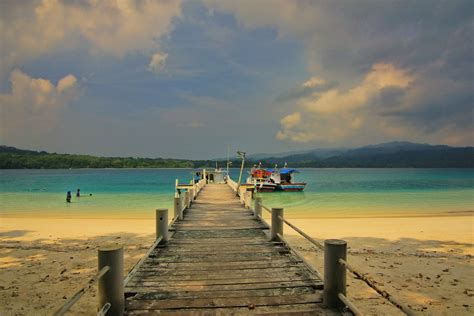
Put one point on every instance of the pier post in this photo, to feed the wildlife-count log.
(257, 207)
(177, 208)
(186, 199)
(111, 283)
(248, 199)
(192, 192)
(162, 225)
(277, 223)
(334, 272)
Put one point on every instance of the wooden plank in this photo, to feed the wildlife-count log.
(237, 241)
(215, 258)
(294, 309)
(222, 302)
(134, 288)
(224, 265)
(190, 283)
(224, 294)
(214, 247)
(224, 277)
(195, 251)
(214, 228)
(211, 273)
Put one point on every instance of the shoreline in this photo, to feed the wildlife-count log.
(296, 215)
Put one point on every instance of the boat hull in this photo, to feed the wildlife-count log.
(270, 187)
(291, 187)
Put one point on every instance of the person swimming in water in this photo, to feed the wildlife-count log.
(68, 197)
(78, 193)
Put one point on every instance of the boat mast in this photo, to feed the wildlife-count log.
(227, 160)
(241, 155)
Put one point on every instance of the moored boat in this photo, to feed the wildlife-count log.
(269, 180)
(260, 177)
(284, 178)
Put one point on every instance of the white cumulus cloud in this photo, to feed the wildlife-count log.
(33, 105)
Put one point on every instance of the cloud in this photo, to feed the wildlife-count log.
(109, 27)
(313, 82)
(380, 77)
(291, 120)
(368, 49)
(388, 103)
(33, 106)
(157, 62)
(335, 114)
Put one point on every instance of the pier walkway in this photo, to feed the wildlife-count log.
(219, 260)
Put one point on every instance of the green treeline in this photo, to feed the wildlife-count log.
(13, 158)
(64, 161)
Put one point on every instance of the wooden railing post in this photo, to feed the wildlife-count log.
(186, 199)
(162, 225)
(334, 272)
(177, 208)
(277, 223)
(248, 198)
(257, 209)
(111, 284)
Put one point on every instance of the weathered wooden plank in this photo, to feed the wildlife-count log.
(209, 273)
(134, 288)
(254, 280)
(214, 228)
(217, 247)
(227, 266)
(237, 241)
(224, 294)
(250, 262)
(299, 309)
(215, 260)
(213, 250)
(222, 302)
(234, 278)
(221, 234)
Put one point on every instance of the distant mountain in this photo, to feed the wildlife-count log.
(393, 154)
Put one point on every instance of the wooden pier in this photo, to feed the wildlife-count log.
(220, 260)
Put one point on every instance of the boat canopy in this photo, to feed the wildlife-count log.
(284, 170)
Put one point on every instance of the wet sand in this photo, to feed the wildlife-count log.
(424, 262)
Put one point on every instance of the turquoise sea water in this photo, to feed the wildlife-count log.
(329, 192)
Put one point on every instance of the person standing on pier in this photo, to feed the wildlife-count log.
(78, 193)
(68, 197)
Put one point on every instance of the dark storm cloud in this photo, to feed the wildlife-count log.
(411, 34)
(432, 114)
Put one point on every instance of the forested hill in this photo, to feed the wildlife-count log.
(13, 158)
(389, 155)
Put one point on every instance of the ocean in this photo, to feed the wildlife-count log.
(136, 193)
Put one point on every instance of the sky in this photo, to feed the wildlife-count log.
(190, 79)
